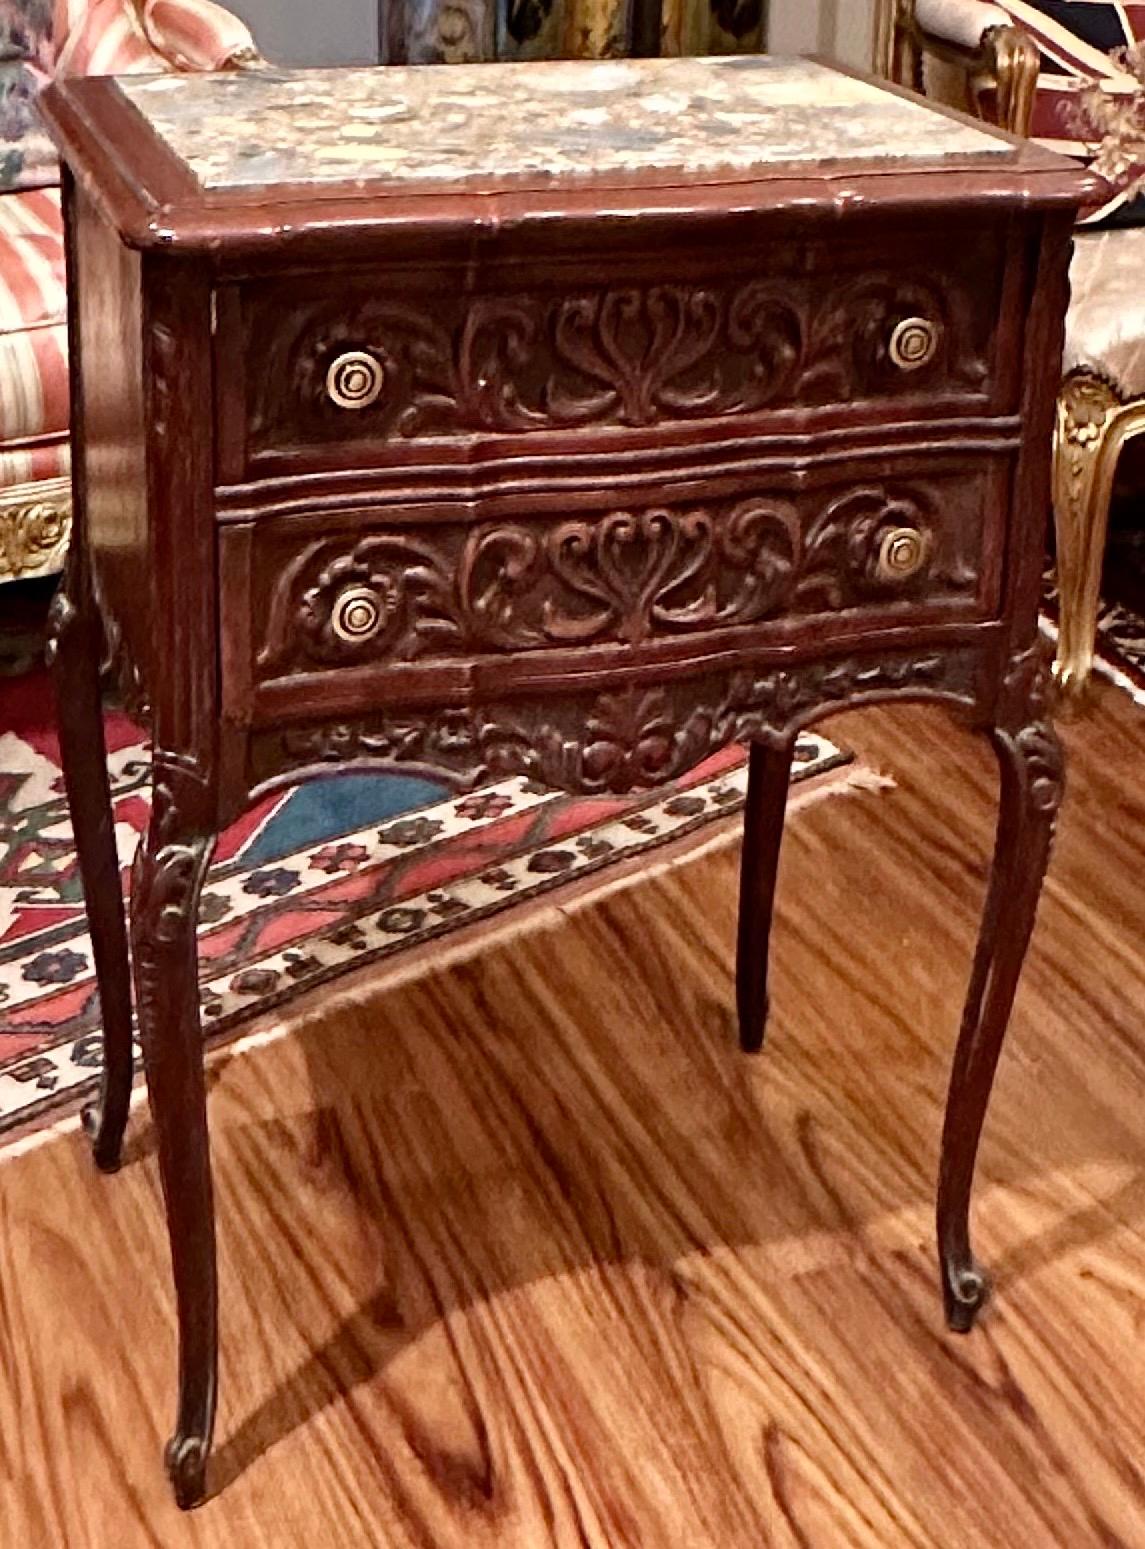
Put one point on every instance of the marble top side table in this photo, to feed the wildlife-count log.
(570, 419)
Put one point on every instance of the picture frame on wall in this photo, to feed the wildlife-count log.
(455, 31)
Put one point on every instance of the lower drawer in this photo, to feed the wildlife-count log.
(381, 604)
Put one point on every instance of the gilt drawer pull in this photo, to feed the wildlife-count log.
(355, 380)
(358, 613)
(902, 553)
(913, 343)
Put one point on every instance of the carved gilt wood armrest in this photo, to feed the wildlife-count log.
(979, 40)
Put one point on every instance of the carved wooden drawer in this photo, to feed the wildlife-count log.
(346, 596)
(411, 365)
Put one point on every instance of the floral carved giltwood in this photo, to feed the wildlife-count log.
(1093, 426)
(35, 523)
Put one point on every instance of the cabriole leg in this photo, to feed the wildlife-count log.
(1093, 428)
(169, 870)
(74, 645)
(769, 780)
(1031, 765)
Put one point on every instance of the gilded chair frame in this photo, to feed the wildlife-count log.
(1005, 61)
(35, 524)
(1094, 420)
(1094, 425)
(36, 516)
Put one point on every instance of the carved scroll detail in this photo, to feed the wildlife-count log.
(1025, 714)
(62, 616)
(634, 355)
(1086, 405)
(620, 740)
(625, 575)
(166, 873)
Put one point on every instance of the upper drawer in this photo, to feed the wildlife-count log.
(395, 367)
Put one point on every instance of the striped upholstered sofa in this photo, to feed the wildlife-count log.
(40, 39)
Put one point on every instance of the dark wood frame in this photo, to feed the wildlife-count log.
(171, 510)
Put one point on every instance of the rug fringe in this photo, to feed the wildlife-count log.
(1102, 666)
(545, 917)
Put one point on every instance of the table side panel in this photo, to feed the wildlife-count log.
(110, 440)
(1031, 506)
(179, 376)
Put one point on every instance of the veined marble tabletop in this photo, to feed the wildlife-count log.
(464, 124)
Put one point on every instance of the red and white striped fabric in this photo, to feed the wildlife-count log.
(33, 338)
(89, 37)
(131, 37)
(196, 34)
(1078, 41)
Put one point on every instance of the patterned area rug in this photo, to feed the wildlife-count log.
(1121, 644)
(313, 882)
(1120, 652)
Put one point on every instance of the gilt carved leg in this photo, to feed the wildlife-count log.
(74, 648)
(769, 780)
(167, 881)
(1031, 768)
(1011, 60)
(1093, 426)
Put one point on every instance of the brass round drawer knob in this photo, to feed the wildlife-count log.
(358, 613)
(913, 343)
(355, 380)
(902, 553)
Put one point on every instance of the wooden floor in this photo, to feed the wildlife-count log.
(526, 1254)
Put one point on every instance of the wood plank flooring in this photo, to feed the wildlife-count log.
(526, 1254)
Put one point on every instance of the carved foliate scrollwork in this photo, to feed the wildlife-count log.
(851, 339)
(168, 866)
(1045, 766)
(634, 355)
(625, 576)
(120, 666)
(1093, 426)
(1086, 406)
(631, 738)
(629, 355)
(166, 880)
(1025, 715)
(410, 578)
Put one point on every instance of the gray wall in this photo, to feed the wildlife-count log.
(841, 29)
(338, 32)
(313, 32)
